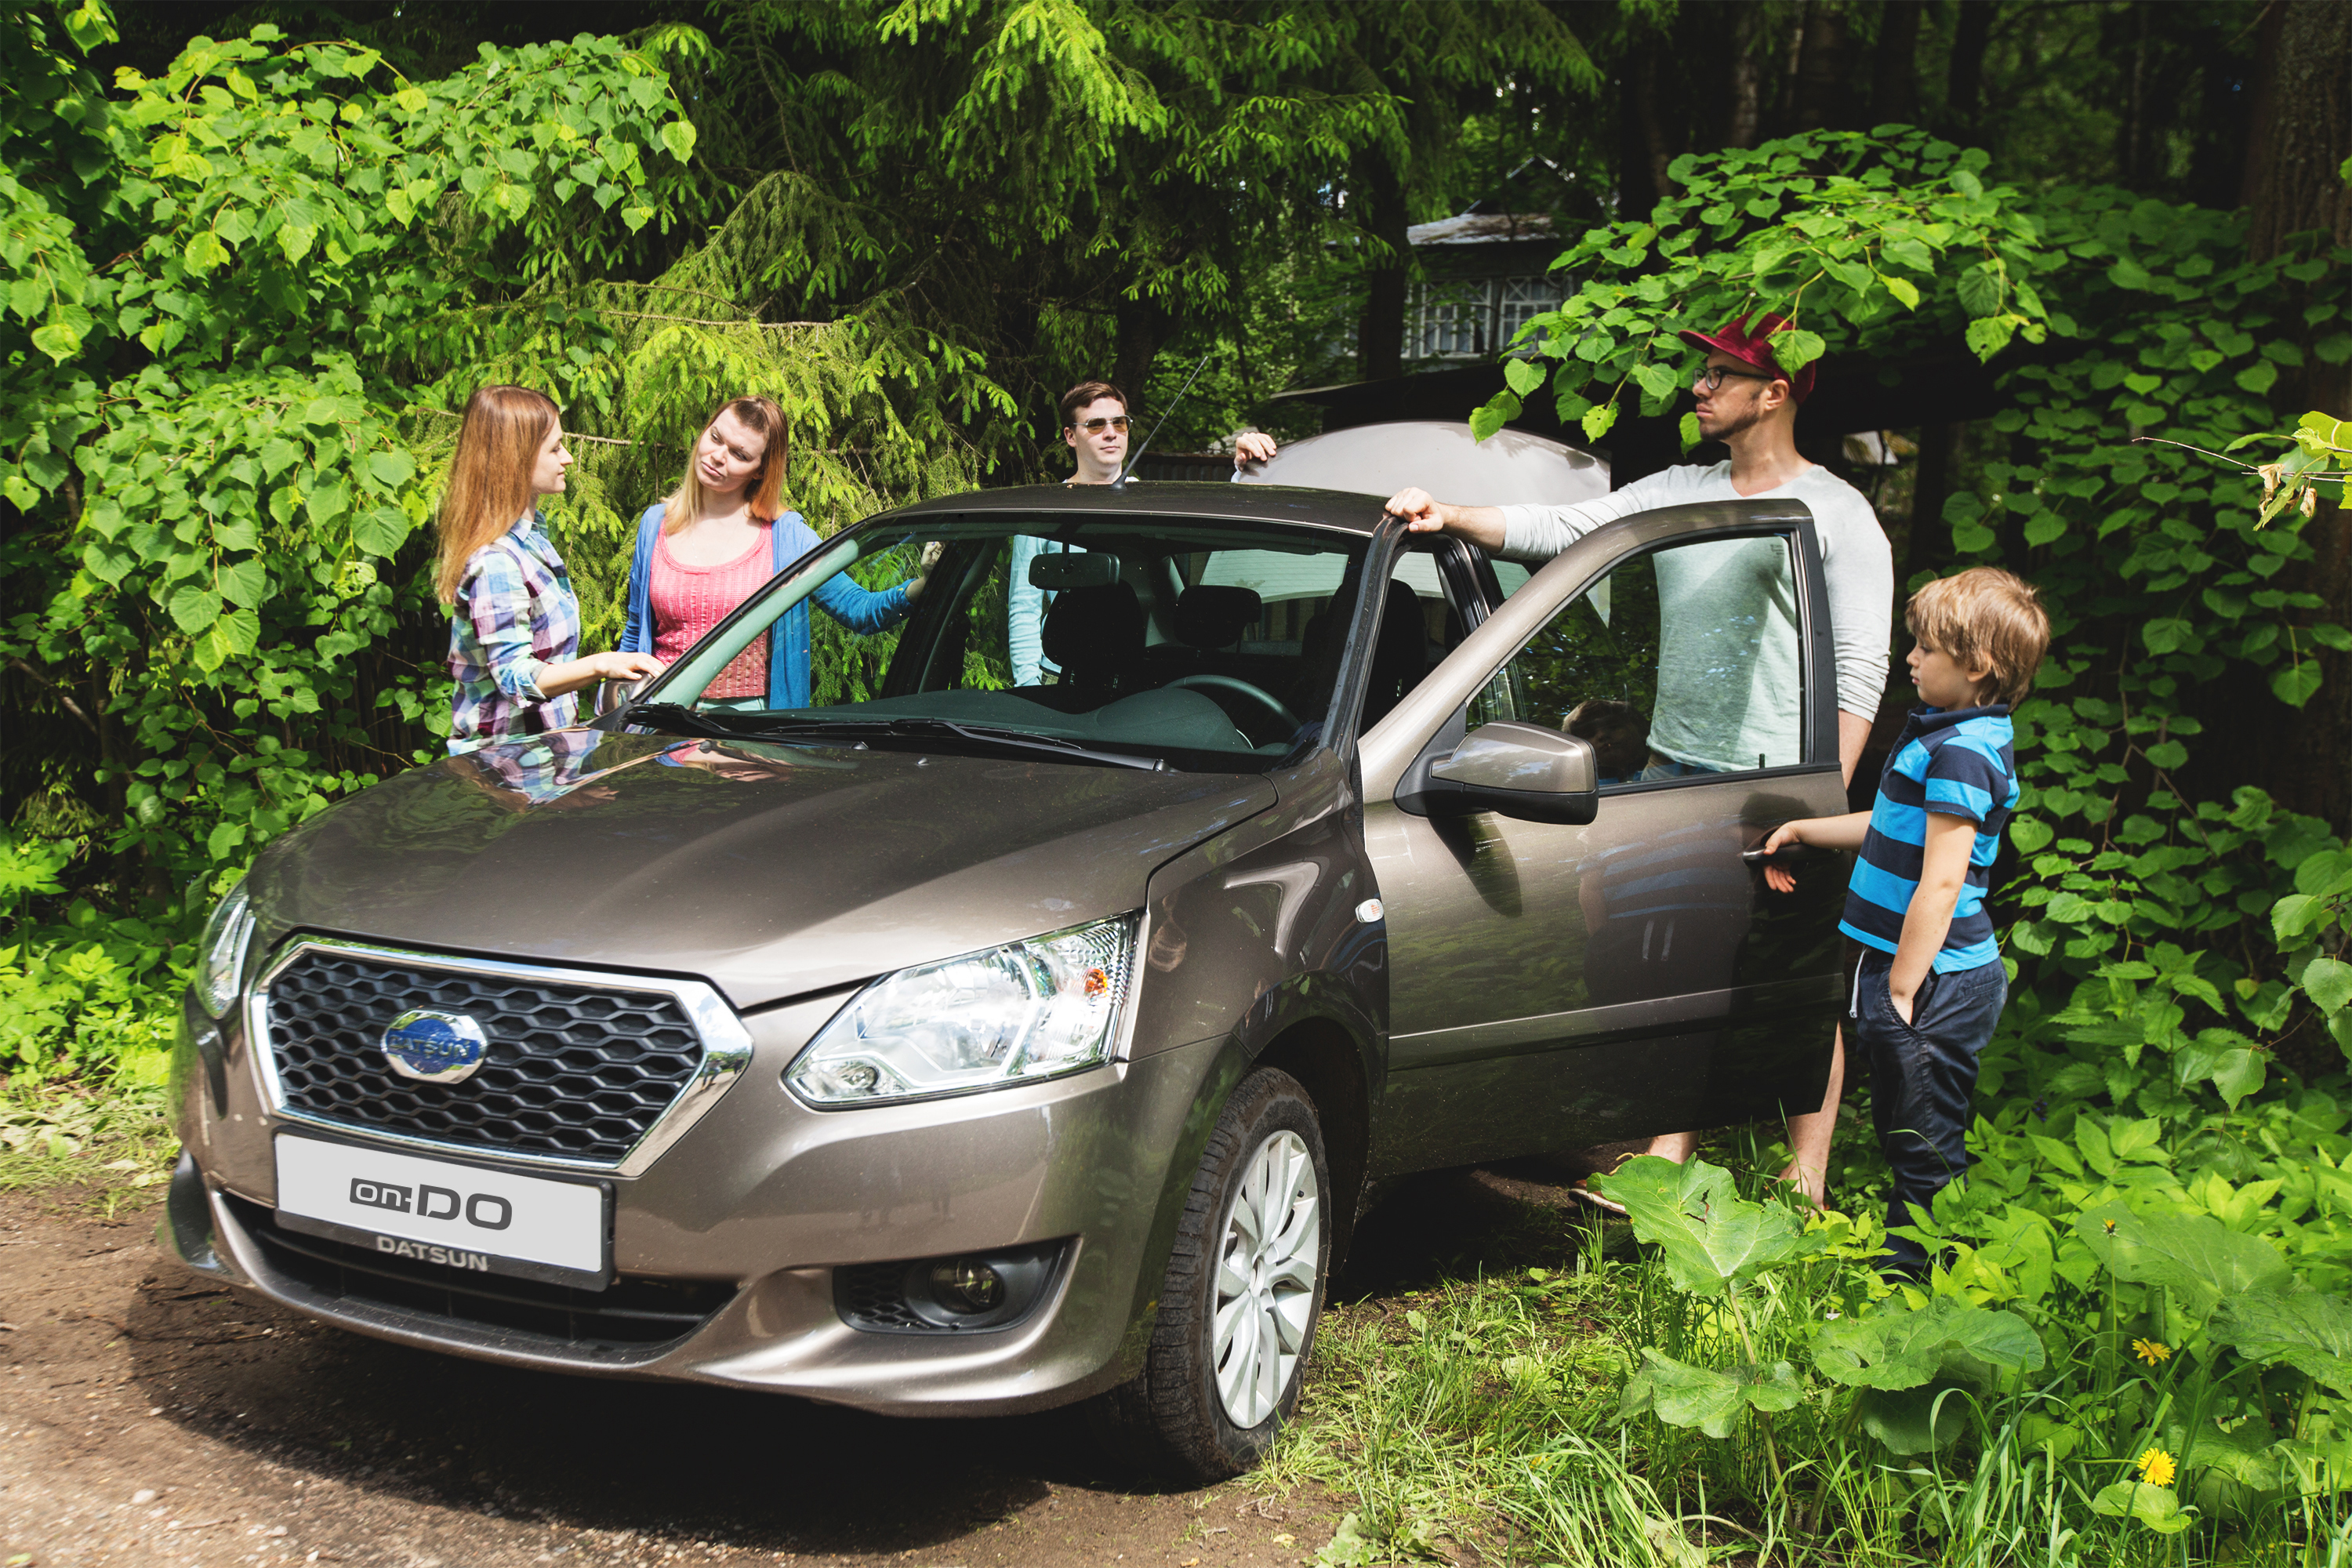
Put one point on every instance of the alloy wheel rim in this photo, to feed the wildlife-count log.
(1269, 1257)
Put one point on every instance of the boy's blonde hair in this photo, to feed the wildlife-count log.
(1984, 616)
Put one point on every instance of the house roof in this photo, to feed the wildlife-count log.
(1481, 228)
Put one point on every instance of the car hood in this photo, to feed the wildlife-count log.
(770, 871)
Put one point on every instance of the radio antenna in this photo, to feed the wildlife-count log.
(1138, 456)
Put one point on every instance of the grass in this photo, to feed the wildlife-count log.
(1482, 1411)
(111, 1141)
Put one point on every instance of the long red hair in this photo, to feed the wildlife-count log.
(489, 479)
(765, 493)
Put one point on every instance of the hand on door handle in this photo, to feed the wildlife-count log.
(1786, 855)
(1775, 863)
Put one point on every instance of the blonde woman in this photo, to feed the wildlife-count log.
(716, 541)
(514, 623)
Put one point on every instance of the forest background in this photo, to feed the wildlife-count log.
(257, 254)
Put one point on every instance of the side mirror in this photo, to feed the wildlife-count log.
(1517, 769)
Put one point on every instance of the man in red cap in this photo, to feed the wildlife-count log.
(1750, 403)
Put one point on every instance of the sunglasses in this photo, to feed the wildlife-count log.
(1097, 426)
(1710, 377)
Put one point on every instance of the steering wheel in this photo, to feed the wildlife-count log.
(1258, 697)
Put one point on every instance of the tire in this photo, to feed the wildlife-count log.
(1229, 1348)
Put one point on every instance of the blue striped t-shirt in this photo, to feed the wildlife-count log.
(1956, 762)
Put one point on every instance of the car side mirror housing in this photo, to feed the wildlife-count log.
(1523, 771)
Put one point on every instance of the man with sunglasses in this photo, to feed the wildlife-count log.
(1750, 403)
(1095, 426)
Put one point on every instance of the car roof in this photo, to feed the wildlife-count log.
(1153, 498)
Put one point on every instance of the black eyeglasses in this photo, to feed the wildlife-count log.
(1097, 426)
(1709, 377)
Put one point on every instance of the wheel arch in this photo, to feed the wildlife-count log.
(1329, 1063)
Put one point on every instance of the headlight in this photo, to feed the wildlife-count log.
(1012, 1014)
(220, 955)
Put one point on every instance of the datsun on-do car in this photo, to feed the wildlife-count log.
(954, 1046)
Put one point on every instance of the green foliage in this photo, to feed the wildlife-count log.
(224, 286)
(1875, 241)
(1713, 1240)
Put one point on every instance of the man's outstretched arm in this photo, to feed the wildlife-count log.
(1424, 514)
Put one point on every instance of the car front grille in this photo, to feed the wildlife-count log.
(576, 1072)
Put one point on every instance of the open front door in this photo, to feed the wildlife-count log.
(1556, 986)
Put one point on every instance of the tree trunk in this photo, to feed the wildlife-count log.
(1964, 84)
(1894, 74)
(2302, 134)
(1821, 97)
(1143, 327)
(1380, 329)
(1928, 543)
(1746, 80)
(2303, 130)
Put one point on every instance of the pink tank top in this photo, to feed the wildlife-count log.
(688, 601)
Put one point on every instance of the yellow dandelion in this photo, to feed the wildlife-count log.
(2151, 1351)
(2156, 1468)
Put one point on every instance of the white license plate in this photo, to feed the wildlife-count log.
(464, 1219)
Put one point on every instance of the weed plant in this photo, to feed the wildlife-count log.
(1729, 1377)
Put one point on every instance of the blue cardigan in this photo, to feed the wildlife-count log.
(860, 609)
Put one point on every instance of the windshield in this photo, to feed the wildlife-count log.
(1118, 640)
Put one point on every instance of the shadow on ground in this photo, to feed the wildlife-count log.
(460, 1454)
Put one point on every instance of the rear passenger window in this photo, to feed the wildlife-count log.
(1685, 661)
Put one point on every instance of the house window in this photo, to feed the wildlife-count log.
(1471, 318)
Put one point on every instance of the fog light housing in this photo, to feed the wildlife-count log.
(996, 1288)
(967, 1286)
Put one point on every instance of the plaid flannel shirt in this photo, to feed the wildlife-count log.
(515, 614)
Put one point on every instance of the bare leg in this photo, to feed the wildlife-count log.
(1809, 1135)
(1676, 1146)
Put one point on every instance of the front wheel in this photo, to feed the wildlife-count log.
(1241, 1296)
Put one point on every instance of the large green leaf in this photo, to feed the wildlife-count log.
(1915, 1420)
(1906, 1349)
(1712, 1238)
(2203, 1261)
(1701, 1396)
(2310, 1331)
(2155, 1507)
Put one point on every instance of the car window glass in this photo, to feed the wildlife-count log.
(1419, 624)
(1683, 661)
(1206, 643)
(1511, 575)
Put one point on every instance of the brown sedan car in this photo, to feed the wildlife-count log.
(1025, 1018)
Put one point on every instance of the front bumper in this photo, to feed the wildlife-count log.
(735, 1234)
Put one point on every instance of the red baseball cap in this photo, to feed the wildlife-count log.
(1752, 346)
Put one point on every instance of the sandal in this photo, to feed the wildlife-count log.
(1582, 1192)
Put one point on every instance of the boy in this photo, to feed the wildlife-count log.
(1930, 984)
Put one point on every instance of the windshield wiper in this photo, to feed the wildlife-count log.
(678, 718)
(991, 735)
(687, 721)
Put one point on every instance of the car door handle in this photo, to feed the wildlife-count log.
(1780, 856)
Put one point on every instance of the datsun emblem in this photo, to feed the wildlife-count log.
(434, 1047)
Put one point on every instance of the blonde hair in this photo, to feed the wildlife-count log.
(765, 492)
(489, 477)
(1985, 617)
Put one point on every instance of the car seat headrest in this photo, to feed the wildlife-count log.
(1094, 633)
(1213, 616)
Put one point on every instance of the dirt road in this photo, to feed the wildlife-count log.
(148, 1418)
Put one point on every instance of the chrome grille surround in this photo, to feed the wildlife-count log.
(726, 1050)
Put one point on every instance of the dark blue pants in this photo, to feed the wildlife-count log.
(1921, 1076)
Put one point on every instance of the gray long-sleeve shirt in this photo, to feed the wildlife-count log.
(1856, 561)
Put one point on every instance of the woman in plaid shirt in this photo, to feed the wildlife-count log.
(514, 623)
